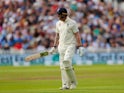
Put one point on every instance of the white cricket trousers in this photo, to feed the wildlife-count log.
(66, 53)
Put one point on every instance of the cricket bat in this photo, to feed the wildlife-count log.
(36, 56)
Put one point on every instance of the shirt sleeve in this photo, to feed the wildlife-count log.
(57, 30)
(75, 28)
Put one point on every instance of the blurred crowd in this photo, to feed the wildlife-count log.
(30, 24)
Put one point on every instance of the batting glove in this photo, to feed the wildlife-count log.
(53, 50)
(81, 51)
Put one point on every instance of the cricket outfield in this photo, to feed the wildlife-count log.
(46, 79)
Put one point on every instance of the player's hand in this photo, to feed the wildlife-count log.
(53, 50)
(81, 51)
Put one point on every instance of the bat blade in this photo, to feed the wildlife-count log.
(36, 56)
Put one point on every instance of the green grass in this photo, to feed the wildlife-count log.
(46, 79)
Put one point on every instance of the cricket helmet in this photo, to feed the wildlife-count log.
(61, 11)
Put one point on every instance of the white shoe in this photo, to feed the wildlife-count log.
(72, 86)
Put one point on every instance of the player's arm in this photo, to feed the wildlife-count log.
(81, 50)
(56, 41)
(53, 49)
(78, 39)
(76, 33)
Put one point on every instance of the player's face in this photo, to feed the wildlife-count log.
(62, 17)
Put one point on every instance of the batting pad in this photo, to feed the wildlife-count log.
(65, 79)
(71, 76)
(70, 72)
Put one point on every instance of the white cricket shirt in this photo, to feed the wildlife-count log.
(66, 31)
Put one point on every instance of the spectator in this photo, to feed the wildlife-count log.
(29, 24)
